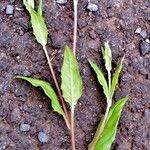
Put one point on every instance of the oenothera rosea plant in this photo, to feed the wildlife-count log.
(106, 130)
(71, 83)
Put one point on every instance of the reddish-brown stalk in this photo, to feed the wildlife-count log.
(57, 87)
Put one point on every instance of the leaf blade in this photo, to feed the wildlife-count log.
(71, 80)
(109, 133)
(116, 78)
(39, 27)
(107, 55)
(48, 90)
(100, 78)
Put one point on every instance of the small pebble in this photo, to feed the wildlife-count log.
(43, 138)
(2, 7)
(62, 2)
(18, 57)
(24, 127)
(147, 40)
(138, 30)
(144, 48)
(19, 91)
(9, 9)
(143, 34)
(40, 106)
(92, 7)
(26, 73)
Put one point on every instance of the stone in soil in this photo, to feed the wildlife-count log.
(144, 48)
(24, 127)
(62, 2)
(2, 7)
(26, 73)
(43, 138)
(9, 9)
(143, 34)
(19, 91)
(92, 7)
(138, 30)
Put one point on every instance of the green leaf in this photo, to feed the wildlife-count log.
(39, 27)
(71, 80)
(106, 51)
(40, 8)
(115, 78)
(28, 4)
(48, 90)
(109, 133)
(101, 78)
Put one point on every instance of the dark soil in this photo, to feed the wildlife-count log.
(20, 54)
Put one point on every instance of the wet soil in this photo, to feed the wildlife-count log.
(20, 54)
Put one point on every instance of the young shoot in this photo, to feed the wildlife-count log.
(41, 33)
(71, 83)
(106, 130)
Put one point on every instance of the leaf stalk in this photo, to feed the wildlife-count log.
(57, 87)
(101, 128)
(75, 26)
(72, 129)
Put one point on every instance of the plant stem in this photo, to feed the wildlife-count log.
(101, 128)
(109, 80)
(103, 121)
(72, 130)
(57, 87)
(75, 26)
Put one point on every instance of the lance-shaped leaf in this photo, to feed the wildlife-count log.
(28, 4)
(100, 78)
(109, 133)
(115, 78)
(48, 90)
(39, 27)
(106, 51)
(71, 80)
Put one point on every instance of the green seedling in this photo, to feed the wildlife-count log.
(41, 33)
(107, 128)
(71, 84)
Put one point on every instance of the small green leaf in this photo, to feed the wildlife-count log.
(48, 90)
(39, 27)
(109, 133)
(71, 80)
(101, 78)
(115, 78)
(28, 4)
(106, 51)
(40, 8)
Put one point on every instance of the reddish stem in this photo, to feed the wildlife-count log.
(57, 87)
(75, 27)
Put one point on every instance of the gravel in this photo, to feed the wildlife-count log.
(144, 48)
(62, 2)
(26, 73)
(9, 9)
(147, 40)
(43, 138)
(2, 7)
(19, 91)
(24, 127)
(143, 34)
(92, 7)
(138, 30)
